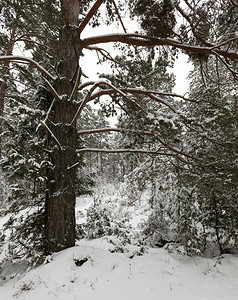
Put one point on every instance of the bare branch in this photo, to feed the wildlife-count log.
(81, 106)
(146, 41)
(234, 3)
(107, 55)
(48, 112)
(51, 133)
(20, 59)
(224, 43)
(119, 16)
(175, 96)
(34, 42)
(188, 4)
(89, 15)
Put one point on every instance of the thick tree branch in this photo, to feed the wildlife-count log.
(114, 91)
(146, 41)
(89, 15)
(151, 94)
(22, 59)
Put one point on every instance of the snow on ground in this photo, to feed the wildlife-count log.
(93, 270)
(107, 275)
(82, 204)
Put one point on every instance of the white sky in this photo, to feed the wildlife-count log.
(90, 67)
(89, 61)
(181, 69)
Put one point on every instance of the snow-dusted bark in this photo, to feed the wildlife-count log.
(60, 205)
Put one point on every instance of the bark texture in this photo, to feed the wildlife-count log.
(60, 205)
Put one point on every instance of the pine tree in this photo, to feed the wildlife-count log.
(56, 45)
(216, 148)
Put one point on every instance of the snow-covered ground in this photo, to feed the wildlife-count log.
(98, 269)
(107, 275)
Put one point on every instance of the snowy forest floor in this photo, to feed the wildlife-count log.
(96, 269)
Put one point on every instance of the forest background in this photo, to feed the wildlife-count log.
(178, 150)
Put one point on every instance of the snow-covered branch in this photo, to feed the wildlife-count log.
(89, 94)
(51, 133)
(136, 151)
(52, 90)
(21, 59)
(147, 41)
(150, 94)
(151, 134)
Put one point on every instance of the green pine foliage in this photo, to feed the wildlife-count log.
(26, 166)
(157, 18)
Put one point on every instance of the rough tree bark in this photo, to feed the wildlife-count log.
(60, 205)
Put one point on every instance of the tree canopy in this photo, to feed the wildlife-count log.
(44, 95)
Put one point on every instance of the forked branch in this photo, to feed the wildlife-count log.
(89, 94)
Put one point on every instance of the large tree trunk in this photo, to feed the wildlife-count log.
(60, 205)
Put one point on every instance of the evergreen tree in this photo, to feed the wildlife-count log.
(56, 45)
(216, 148)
